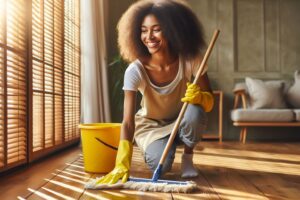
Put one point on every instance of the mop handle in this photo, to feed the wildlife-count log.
(199, 73)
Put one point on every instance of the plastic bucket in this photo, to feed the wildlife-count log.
(99, 146)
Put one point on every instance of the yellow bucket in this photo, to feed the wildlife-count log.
(99, 146)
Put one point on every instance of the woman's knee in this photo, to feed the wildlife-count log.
(194, 114)
(153, 155)
(193, 124)
(153, 162)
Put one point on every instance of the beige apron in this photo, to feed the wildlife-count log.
(158, 113)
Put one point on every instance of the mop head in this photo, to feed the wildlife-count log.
(146, 185)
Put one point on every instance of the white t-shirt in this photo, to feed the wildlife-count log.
(136, 78)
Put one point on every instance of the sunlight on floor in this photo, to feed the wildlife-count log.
(112, 193)
(69, 178)
(80, 190)
(76, 171)
(72, 174)
(102, 195)
(222, 194)
(64, 185)
(43, 195)
(252, 154)
(247, 160)
(58, 194)
(78, 166)
(224, 174)
(235, 194)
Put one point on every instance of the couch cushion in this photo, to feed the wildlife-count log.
(293, 94)
(240, 86)
(265, 94)
(297, 114)
(262, 115)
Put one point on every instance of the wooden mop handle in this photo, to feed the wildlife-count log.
(199, 73)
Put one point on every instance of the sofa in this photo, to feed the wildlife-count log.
(273, 103)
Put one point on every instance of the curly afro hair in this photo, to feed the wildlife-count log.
(179, 24)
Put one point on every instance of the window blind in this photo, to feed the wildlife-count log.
(39, 78)
(72, 69)
(2, 45)
(13, 102)
(56, 74)
(47, 70)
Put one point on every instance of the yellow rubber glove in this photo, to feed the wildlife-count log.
(123, 162)
(194, 95)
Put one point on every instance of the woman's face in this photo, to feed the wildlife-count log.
(152, 36)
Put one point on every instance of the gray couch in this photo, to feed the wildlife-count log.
(260, 103)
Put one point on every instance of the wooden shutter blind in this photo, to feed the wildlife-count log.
(2, 45)
(13, 54)
(47, 72)
(55, 74)
(72, 69)
(39, 78)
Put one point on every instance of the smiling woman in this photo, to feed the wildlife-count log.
(163, 40)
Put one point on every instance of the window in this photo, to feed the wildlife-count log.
(39, 78)
(13, 57)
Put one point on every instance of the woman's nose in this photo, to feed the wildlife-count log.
(150, 35)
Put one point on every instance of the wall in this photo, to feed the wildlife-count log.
(259, 39)
(115, 10)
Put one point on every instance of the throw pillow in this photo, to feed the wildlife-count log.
(268, 94)
(293, 94)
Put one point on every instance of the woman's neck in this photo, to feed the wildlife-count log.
(162, 60)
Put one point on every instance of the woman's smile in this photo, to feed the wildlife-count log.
(152, 36)
(152, 44)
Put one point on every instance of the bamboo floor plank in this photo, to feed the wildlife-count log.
(205, 189)
(223, 183)
(17, 183)
(229, 184)
(252, 171)
(138, 169)
(228, 170)
(277, 179)
(65, 184)
(274, 186)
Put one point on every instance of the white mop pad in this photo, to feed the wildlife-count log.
(145, 186)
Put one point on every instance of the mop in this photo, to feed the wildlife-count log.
(155, 184)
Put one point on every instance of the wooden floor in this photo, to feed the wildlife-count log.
(227, 171)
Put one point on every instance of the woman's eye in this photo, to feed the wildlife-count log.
(144, 31)
(156, 30)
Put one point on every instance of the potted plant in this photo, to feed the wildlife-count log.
(116, 71)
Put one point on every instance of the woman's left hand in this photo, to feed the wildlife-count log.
(194, 95)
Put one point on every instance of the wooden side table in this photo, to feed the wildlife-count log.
(218, 108)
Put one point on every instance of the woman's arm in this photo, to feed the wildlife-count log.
(128, 125)
(204, 83)
(123, 159)
(201, 92)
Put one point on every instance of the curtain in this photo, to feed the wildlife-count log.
(94, 83)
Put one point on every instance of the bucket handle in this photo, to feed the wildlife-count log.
(108, 145)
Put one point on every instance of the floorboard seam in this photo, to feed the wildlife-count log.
(254, 186)
(51, 178)
(210, 184)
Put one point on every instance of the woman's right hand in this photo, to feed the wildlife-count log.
(123, 162)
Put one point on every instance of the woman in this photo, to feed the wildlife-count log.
(163, 40)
